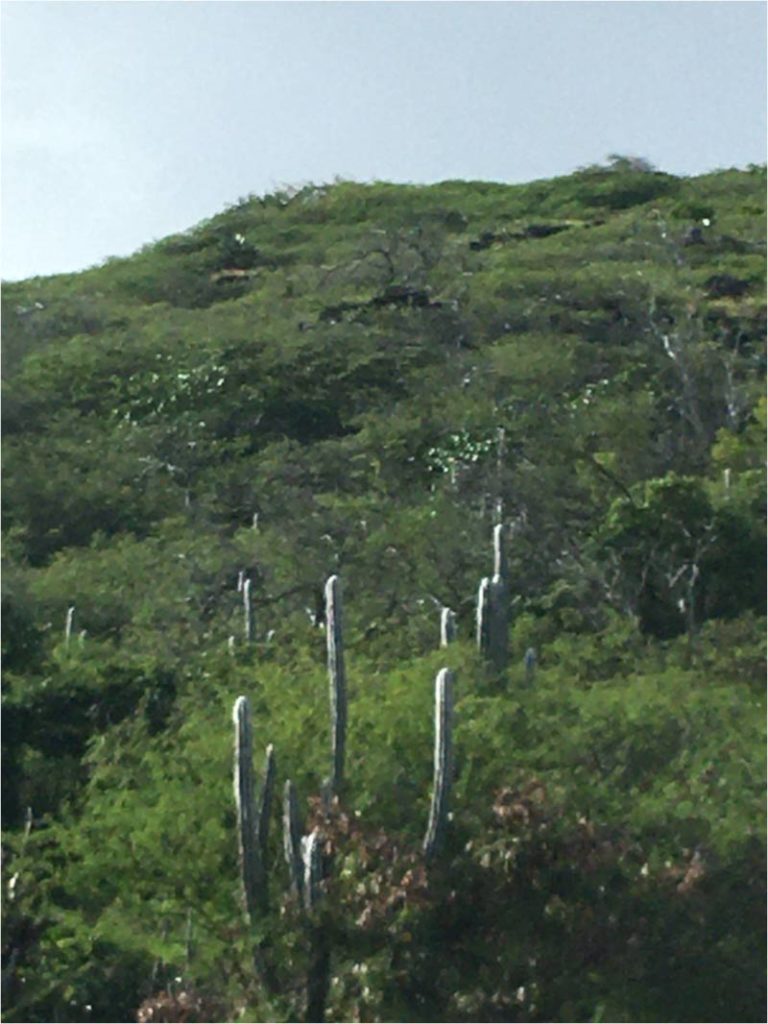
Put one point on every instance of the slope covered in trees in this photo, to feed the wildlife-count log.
(362, 381)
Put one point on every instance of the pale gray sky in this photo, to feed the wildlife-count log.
(123, 122)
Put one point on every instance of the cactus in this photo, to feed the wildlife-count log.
(481, 616)
(447, 627)
(319, 971)
(438, 811)
(501, 451)
(326, 794)
(337, 680)
(265, 803)
(68, 624)
(498, 623)
(251, 825)
(492, 621)
(493, 607)
(499, 600)
(312, 861)
(247, 612)
(292, 839)
(500, 564)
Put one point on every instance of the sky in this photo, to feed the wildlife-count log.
(127, 120)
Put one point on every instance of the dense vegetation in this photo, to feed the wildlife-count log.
(361, 380)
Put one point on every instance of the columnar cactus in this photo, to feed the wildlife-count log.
(319, 968)
(247, 612)
(443, 762)
(500, 564)
(292, 839)
(482, 616)
(265, 803)
(250, 842)
(337, 679)
(68, 625)
(447, 627)
(498, 623)
(493, 607)
(312, 860)
(501, 451)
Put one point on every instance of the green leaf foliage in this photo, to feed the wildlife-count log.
(362, 381)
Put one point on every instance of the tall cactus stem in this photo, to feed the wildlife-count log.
(482, 616)
(68, 625)
(337, 679)
(265, 804)
(247, 612)
(498, 623)
(447, 627)
(501, 451)
(251, 867)
(312, 861)
(326, 794)
(292, 839)
(443, 762)
(500, 564)
(319, 967)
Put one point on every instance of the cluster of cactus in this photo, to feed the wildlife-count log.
(303, 853)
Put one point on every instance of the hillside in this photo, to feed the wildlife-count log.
(363, 381)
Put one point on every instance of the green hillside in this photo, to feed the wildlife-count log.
(364, 381)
